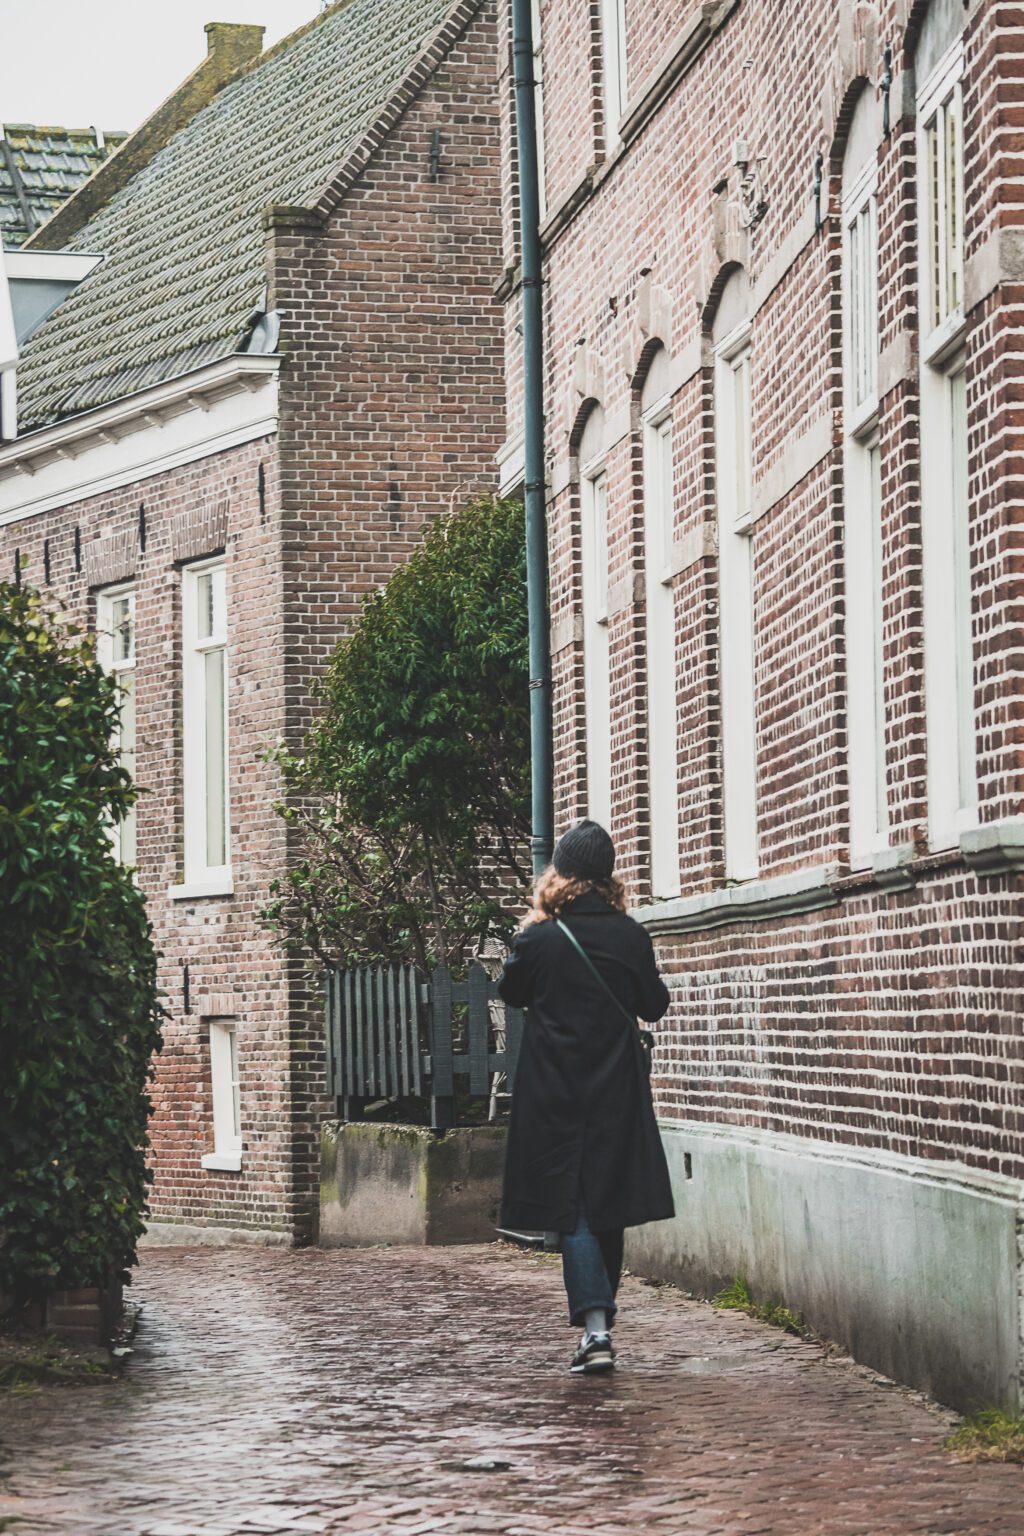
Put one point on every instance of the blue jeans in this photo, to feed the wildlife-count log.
(591, 1268)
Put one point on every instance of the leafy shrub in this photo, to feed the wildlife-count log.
(79, 1010)
(410, 797)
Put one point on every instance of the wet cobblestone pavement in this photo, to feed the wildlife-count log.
(413, 1391)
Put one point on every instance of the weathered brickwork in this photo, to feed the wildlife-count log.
(233, 969)
(390, 413)
(891, 1016)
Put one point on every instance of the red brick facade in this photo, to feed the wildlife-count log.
(390, 411)
(880, 1008)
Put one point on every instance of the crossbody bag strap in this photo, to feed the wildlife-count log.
(592, 968)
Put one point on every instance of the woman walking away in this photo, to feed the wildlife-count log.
(584, 1155)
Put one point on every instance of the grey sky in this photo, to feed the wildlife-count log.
(108, 63)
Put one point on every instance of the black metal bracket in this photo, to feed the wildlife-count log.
(46, 561)
(435, 155)
(886, 88)
(142, 527)
(819, 170)
(78, 549)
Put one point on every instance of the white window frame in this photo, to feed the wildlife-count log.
(123, 834)
(596, 647)
(538, 101)
(948, 620)
(201, 877)
(940, 101)
(865, 653)
(662, 690)
(734, 498)
(226, 1156)
(613, 70)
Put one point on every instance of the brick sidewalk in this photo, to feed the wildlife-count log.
(407, 1392)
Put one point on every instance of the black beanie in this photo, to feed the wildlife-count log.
(585, 852)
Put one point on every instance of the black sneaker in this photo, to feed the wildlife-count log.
(594, 1354)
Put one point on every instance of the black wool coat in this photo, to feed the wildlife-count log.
(582, 1122)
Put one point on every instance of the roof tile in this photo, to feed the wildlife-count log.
(183, 242)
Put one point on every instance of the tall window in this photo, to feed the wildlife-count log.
(865, 676)
(596, 664)
(538, 98)
(613, 45)
(949, 650)
(662, 733)
(204, 617)
(115, 626)
(227, 1109)
(736, 594)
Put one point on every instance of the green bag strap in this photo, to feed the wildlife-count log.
(592, 968)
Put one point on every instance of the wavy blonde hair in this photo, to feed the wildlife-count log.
(553, 892)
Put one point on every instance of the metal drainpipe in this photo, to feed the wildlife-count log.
(542, 841)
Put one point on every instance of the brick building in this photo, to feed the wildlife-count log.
(277, 355)
(783, 287)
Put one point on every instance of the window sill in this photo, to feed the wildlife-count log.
(222, 1162)
(994, 846)
(785, 894)
(192, 890)
(945, 341)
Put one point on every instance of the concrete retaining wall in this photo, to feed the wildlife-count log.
(914, 1267)
(406, 1184)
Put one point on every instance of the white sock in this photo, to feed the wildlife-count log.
(596, 1320)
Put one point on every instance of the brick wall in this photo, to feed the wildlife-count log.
(390, 412)
(891, 1017)
(392, 401)
(234, 970)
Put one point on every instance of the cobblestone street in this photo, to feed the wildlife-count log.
(418, 1391)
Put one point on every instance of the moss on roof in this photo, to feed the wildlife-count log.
(183, 242)
(40, 167)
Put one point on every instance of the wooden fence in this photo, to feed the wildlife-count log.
(391, 1033)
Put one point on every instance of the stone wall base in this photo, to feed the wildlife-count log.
(175, 1234)
(913, 1266)
(405, 1184)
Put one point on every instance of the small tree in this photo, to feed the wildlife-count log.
(79, 1011)
(411, 794)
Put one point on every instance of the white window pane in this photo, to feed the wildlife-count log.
(213, 675)
(878, 643)
(966, 750)
(224, 1084)
(936, 244)
(122, 610)
(596, 664)
(600, 544)
(204, 605)
(662, 731)
(954, 200)
(613, 44)
(736, 618)
(236, 1103)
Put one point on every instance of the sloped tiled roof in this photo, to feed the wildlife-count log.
(40, 168)
(182, 241)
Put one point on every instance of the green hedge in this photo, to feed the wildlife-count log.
(79, 1009)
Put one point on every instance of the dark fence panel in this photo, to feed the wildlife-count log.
(391, 1033)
